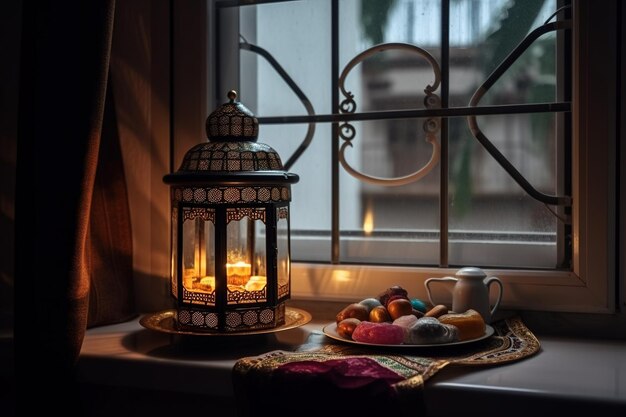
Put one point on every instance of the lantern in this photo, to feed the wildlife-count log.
(230, 253)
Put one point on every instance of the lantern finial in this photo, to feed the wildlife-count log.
(232, 122)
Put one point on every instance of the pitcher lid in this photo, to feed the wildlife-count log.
(470, 271)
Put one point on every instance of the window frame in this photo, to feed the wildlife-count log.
(590, 287)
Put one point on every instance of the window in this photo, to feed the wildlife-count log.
(352, 238)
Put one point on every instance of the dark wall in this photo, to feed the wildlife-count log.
(10, 30)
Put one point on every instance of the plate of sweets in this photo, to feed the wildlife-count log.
(393, 319)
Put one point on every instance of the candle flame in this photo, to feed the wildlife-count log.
(368, 222)
(238, 273)
(341, 275)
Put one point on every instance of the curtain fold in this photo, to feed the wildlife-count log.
(63, 79)
(109, 242)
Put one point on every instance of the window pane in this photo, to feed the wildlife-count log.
(382, 224)
(491, 220)
(297, 34)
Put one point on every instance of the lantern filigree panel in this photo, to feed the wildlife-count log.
(194, 319)
(237, 320)
(198, 255)
(232, 195)
(229, 157)
(239, 296)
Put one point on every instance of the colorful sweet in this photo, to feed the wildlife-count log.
(405, 322)
(395, 297)
(346, 327)
(393, 318)
(378, 333)
(370, 303)
(429, 330)
(396, 291)
(354, 310)
(417, 313)
(419, 305)
(379, 314)
(436, 311)
(470, 323)
(399, 307)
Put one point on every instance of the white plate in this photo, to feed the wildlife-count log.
(330, 330)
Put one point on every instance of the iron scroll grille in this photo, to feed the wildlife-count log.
(436, 113)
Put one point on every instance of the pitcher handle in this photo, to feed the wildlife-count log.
(490, 281)
(429, 280)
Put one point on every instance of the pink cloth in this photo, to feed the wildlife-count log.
(350, 373)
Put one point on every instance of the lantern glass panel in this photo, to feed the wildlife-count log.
(246, 253)
(198, 255)
(282, 243)
(174, 253)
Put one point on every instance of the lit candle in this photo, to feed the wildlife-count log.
(188, 277)
(256, 283)
(238, 273)
(206, 284)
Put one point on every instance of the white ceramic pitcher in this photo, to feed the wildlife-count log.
(471, 290)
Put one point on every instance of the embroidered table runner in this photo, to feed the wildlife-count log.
(328, 378)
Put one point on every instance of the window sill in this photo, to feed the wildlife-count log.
(557, 291)
(572, 374)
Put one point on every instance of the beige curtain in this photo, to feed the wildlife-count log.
(109, 249)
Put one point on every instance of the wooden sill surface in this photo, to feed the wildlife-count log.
(568, 374)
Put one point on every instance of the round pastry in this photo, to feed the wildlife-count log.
(370, 303)
(399, 307)
(354, 310)
(470, 323)
(419, 305)
(379, 314)
(417, 313)
(436, 311)
(406, 322)
(378, 333)
(428, 330)
(346, 327)
(392, 293)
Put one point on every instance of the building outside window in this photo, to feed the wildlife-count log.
(352, 238)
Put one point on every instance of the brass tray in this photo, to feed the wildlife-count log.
(165, 322)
